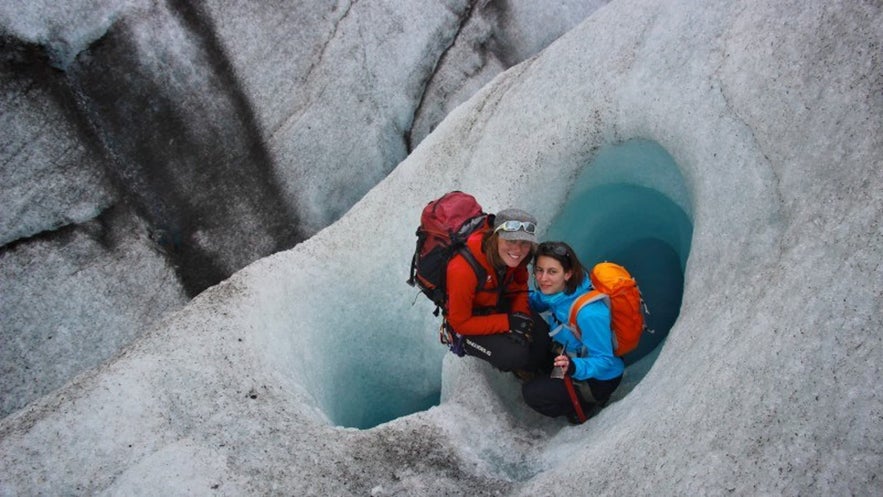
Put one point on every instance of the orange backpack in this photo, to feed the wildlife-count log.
(613, 284)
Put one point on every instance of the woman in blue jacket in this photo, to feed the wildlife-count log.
(589, 359)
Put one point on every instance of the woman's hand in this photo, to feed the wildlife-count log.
(565, 364)
(562, 361)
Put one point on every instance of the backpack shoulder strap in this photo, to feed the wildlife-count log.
(580, 302)
(480, 272)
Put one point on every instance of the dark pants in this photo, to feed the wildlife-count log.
(512, 352)
(549, 396)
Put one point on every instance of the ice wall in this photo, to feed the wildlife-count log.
(152, 148)
(767, 383)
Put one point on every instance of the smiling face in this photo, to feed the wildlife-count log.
(550, 275)
(513, 252)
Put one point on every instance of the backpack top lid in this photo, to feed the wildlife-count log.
(449, 215)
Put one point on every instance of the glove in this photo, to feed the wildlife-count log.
(521, 324)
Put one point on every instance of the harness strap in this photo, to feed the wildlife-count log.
(580, 415)
(556, 330)
(550, 316)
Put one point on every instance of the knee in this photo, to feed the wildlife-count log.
(515, 358)
(530, 391)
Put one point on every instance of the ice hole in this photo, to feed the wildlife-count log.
(630, 205)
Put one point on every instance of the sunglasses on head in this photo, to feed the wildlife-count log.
(525, 226)
(553, 248)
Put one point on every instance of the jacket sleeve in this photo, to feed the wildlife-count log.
(535, 303)
(600, 363)
(461, 284)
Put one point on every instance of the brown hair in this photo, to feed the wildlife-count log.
(565, 255)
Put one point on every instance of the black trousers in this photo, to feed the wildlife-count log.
(511, 352)
(549, 396)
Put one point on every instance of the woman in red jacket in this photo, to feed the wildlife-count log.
(492, 319)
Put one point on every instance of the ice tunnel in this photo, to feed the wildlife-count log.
(629, 205)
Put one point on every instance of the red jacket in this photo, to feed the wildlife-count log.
(467, 311)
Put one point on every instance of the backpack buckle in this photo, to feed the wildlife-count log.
(449, 337)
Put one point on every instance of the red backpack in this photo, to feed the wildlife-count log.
(613, 284)
(445, 225)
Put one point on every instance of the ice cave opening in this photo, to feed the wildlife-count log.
(629, 205)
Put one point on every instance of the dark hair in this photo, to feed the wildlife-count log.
(490, 246)
(565, 255)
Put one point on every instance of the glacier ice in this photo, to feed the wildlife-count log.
(206, 135)
(766, 384)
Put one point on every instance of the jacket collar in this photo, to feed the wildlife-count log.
(560, 302)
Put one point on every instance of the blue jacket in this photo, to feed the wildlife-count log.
(593, 356)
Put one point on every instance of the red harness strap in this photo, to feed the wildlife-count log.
(580, 415)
